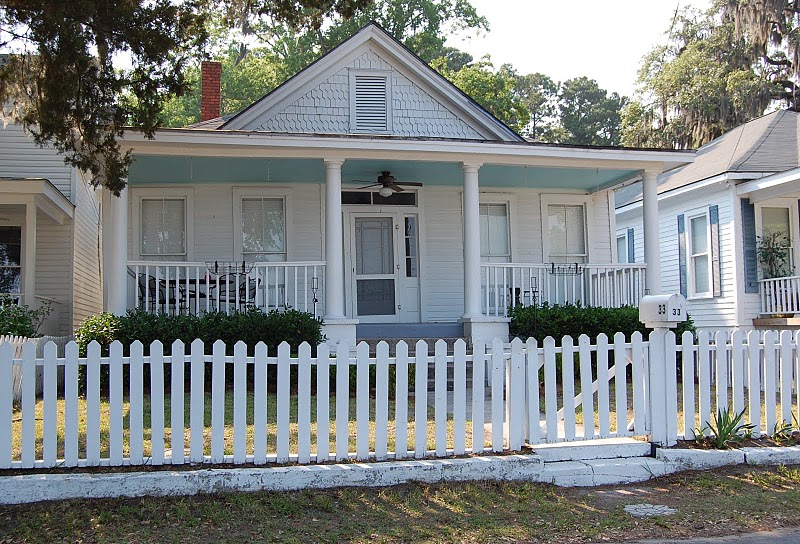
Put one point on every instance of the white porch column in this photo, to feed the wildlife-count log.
(116, 275)
(336, 327)
(472, 243)
(29, 256)
(334, 234)
(652, 252)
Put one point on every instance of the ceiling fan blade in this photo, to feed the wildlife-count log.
(410, 183)
(395, 187)
(369, 186)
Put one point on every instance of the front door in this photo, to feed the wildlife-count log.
(374, 268)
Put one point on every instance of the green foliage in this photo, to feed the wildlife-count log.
(727, 430)
(783, 432)
(492, 89)
(558, 320)
(701, 84)
(20, 320)
(773, 250)
(60, 78)
(250, 326)
(588, 114)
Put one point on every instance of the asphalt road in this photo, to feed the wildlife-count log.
(778, 536)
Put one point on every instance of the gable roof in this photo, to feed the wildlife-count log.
(765, 145)
(374, 35)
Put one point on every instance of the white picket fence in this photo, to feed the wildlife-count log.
(17, 343)
(179, 408)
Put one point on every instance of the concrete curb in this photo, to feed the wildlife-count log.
(29, 488)
(44, 487)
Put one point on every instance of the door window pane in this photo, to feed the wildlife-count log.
(263, 229)
(411, 246)
(375, 297)
(374, 247)
(163, 227)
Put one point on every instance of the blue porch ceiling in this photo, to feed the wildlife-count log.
(152, 169)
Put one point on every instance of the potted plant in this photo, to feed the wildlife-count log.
(773, 251)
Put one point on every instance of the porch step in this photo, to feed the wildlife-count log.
(406, 331)
(604, 448)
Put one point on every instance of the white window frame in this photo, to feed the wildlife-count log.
(622, 235)
(19, 267)
(794, 235)
(588, 218)
(495, 200)
(240, 193)
(170, 193)
(387, 75)
(690, 256)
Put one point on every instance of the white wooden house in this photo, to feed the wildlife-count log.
(268, 207)
(50, 233)
(711, 214)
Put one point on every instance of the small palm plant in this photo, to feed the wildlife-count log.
(727, 430)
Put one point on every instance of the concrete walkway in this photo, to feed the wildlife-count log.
(778, 536)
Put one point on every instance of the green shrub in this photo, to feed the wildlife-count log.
(558, 320)
(250, 326)
(20, 320)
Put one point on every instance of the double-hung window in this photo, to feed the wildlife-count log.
(622, 249)
(698, 250)
(10, 259)
(163, 228)
(567, 233)
(495, 240)
(263, 229)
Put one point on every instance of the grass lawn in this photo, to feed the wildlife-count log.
(709, 503)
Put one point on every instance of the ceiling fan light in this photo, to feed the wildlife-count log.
(385, 191)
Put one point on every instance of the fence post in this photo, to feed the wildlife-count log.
(657, 355)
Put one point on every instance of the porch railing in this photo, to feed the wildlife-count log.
(197, 287)
(780, 295)
(507, 285)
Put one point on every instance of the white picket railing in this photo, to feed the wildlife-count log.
(195, 287)
(17, 342)
(506, 285)
(780, 295)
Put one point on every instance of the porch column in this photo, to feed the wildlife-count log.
(334, 234)
(472, 243)
(29, 256)
(116, 275)
(652, 253)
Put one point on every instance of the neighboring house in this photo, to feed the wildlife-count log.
(49, 233)
(269, 207)
(712, 214)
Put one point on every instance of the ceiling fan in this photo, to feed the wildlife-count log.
(388, 184)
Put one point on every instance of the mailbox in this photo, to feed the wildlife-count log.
(662, 310)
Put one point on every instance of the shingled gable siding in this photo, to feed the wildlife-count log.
(326, 108)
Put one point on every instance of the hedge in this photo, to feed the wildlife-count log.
(558, 320)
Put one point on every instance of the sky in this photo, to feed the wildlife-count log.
(604, 40)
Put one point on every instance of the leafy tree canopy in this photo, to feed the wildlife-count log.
(588, 114)
(492, 89)
(539, 93)
(705, 81)
(58, 72)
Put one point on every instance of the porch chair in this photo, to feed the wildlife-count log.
(152, 291)
(229, 285)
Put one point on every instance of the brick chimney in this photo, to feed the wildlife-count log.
(209, 90)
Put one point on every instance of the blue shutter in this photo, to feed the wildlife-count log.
(631, 255)
(682, 255)
(749, 246)
(716, 265)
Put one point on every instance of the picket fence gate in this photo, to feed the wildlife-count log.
(179, 408)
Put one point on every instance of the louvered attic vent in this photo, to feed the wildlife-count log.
(371, 113)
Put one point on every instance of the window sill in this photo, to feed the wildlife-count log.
(701, 297)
